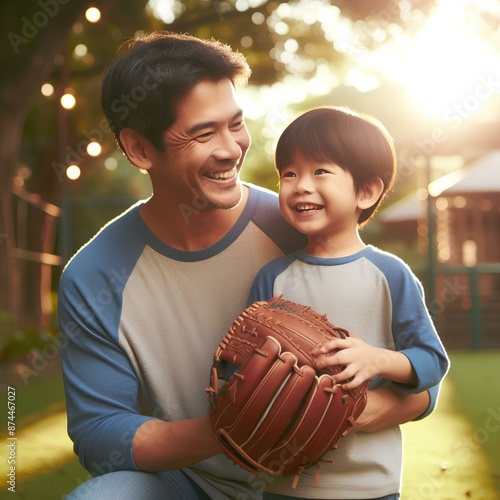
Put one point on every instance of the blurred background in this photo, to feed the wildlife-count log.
(428, 69)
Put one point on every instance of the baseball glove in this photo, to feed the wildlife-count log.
(271, 410)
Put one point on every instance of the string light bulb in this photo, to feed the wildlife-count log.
(92, 14)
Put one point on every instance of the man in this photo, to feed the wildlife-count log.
(144, 304)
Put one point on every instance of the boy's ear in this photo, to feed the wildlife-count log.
(370, 193)
(138, 149)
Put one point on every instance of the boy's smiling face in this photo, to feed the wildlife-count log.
(317, 198)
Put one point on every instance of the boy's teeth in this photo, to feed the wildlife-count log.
(306, 208)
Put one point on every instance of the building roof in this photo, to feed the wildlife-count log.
(405, 209)
(481, 176)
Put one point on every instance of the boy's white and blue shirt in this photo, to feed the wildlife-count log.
(376, 296)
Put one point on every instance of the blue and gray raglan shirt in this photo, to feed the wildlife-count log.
(139, 323)
(375, 295)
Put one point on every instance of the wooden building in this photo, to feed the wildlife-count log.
(462, 265)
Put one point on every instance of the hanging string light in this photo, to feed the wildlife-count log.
(93, 14)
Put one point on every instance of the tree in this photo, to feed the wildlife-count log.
(37, 46)
(36, 33)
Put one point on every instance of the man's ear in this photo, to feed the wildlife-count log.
(370, 193)
(138, 149)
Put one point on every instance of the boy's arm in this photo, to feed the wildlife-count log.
(386, 408)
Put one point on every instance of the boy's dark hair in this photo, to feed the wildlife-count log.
(141, 87)
(356, 142)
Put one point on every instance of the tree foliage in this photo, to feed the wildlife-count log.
(38, 139)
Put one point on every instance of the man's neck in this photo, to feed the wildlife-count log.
(190, 228)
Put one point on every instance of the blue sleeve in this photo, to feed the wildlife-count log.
(413, 330)
(433, 395)
(416, 338)
(269, 219)
(263, 285)
(100, 384)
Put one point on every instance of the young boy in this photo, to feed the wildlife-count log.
(335, 167)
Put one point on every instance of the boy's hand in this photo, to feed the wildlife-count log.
(361, 361)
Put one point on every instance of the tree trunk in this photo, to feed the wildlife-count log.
(11, 125)
(30, 61)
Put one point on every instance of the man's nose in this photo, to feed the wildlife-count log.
(229, 147)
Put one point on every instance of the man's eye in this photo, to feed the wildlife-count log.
(204, 137)
(238, 124)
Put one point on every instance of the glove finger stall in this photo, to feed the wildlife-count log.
(243, 400)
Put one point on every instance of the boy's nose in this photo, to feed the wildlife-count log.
(303, 185)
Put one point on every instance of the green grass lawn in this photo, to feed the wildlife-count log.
(477, 395)
(46, 465)
(453, 454)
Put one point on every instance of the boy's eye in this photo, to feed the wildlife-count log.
(288, 174)
(320, 171)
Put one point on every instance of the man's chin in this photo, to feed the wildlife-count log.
(224, 200)
(230, 204)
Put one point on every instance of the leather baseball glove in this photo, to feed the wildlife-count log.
(271, 410)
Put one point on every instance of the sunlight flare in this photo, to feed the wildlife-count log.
(41, 443)
(451, 63)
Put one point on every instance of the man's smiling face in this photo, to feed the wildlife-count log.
(205, 147)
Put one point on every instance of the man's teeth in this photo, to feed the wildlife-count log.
(223, 175)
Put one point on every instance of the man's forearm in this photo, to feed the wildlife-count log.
(385, 408)
(160, 445)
